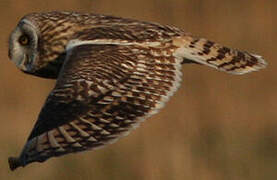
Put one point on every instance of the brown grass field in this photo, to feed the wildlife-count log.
(217, 126)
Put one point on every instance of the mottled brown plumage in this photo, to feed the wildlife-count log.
(111, 73)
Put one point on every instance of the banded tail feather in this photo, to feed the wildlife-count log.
(203, 51)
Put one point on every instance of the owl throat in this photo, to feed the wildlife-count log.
(51, 70)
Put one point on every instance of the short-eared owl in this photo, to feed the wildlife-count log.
(112, 73)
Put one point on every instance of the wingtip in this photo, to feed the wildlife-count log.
(261, 61)
(258, 64)
(14, 163)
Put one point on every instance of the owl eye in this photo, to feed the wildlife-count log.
(24, 40)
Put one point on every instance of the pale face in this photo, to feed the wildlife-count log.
(23, 44)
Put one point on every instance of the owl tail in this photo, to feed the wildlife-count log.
(203, 51)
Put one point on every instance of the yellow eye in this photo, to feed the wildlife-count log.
(23, 40)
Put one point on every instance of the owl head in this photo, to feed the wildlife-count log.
(23, 46)
(38, 43)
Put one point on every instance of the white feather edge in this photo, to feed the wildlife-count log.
(76, 42)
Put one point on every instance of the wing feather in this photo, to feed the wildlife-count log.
(102, 92)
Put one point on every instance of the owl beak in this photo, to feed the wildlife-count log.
(10, 53)
(25, 64)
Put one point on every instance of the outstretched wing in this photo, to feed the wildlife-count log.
(103, 91)
(203, 51)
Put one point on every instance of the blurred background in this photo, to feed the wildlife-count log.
(217, 126)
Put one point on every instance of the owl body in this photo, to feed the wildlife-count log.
(112, 73)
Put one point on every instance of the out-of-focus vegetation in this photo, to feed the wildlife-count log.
(218, 126)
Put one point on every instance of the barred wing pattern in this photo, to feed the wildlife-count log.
(102, 93)
(212, 54)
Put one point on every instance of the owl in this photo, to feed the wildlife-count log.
(112, 73)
